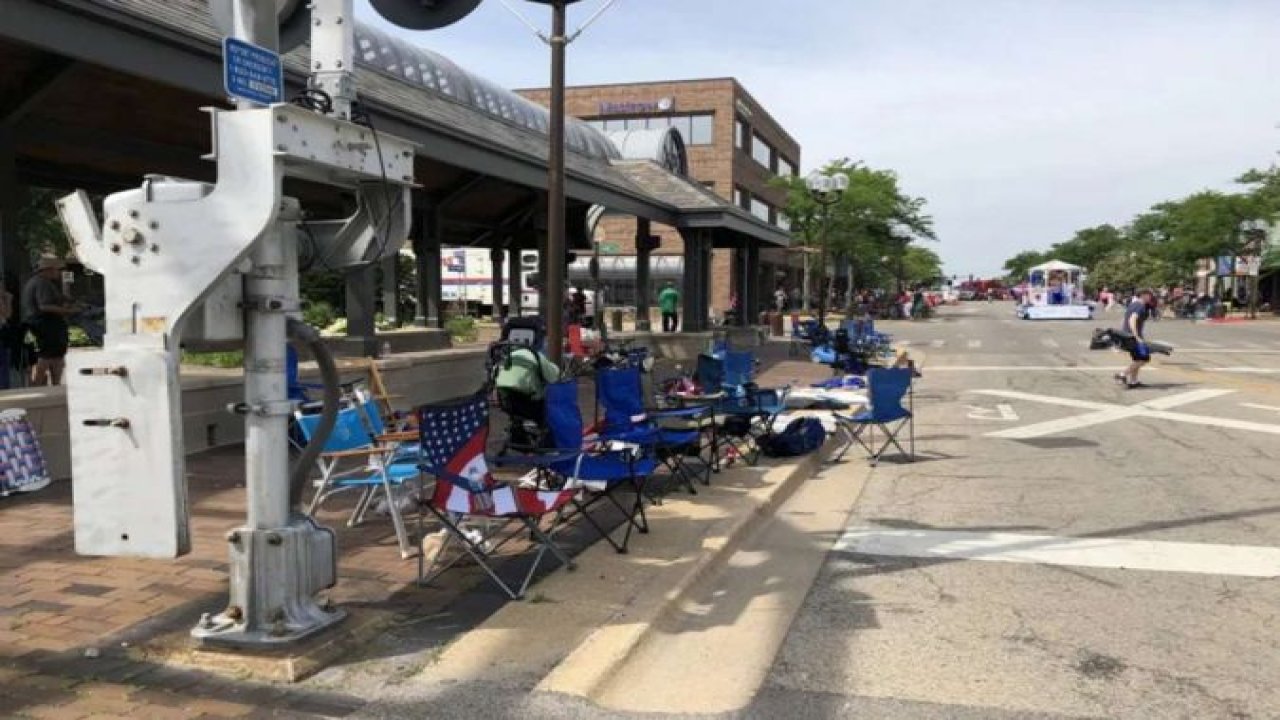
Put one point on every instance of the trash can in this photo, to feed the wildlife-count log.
(615, 320)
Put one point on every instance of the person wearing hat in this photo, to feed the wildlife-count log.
(45, 310)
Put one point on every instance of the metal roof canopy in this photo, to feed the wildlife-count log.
(108, 90)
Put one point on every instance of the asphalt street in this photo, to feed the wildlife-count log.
(1063, 547)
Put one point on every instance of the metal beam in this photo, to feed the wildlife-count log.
(34, 89)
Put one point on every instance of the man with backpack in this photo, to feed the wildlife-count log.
(1136, 315)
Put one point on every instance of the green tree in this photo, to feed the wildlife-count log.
(1018, 266)
(921, 266)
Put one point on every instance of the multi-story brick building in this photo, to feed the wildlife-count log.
(734, 148)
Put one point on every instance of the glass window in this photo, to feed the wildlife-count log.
(703, 130)
(741, 198)
(785, 167)
(760, 208)
(761, 151)
(683, 125)
(784, 222)
(614, 125)
(740, 134)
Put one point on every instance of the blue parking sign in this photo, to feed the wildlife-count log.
(252, 73)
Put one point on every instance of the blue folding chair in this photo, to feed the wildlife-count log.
(375, 469)
(887, 388)
(603, 468)
(620, 393)
(454, 438)
(748, 411)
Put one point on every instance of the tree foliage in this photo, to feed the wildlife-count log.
(871, 227)
(1162, 245)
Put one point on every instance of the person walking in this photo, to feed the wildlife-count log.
(1135, 320)
(45, 310)
(668, 303)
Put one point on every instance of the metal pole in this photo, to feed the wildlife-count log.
(553, 288)
(822, 281)
(266, 446)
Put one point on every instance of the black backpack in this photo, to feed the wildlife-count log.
(800, 437)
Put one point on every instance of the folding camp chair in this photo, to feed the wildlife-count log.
(886, 390)
(620, 392)
(748, 411)
(603, 468)
(454, 439)
(377, 469)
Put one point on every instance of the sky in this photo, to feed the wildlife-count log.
(1019, 121)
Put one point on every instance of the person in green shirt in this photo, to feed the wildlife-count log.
(669, 302)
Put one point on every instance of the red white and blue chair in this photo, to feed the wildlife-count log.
(453, 439)
(887, 389)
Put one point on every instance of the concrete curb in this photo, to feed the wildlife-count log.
(585, 670)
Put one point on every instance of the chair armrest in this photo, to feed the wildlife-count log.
(359, 452)
(398, 437)
(540, 458)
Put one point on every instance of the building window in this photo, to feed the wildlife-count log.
(784, 222)
(693, 129)
(761, 151)
(785, 167)
(742, 198)
(740, 134)
(760, 208)
(703, 130)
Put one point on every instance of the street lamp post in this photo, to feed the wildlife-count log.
(826, 191)
(1255, 241)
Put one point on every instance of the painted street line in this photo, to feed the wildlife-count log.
(1256, 406)
(1245, 370)
(1029, 368)
(1002, 411)
(1204, 344)
(1110, 553)
(975, 344)
(938, 343)
(902, 343)
(1050, 343)
(1107, 413)
(1228, 351)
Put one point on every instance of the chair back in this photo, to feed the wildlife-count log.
(530, 331)
(297, 392)
(564, 417)
(710, 373)
(719, 348)
(886, 388)
(573, 334)
(739, 368)
(454, 438)
(372, 413)
(619, 392)
(349, 430)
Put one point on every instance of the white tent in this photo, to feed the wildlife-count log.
(1053, 265)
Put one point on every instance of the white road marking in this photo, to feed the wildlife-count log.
(1256, 406)
(1050, 343)
(1030, 368)
(1246, 370)
(902, 343)
(1111, 553)
(1204, 344)
(1001, 411)
(1107, 413)
(1230, 351)
(938, 343)
(975, 344)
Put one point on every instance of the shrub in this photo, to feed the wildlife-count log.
(319, 314)
(462, 328)
(232, 359)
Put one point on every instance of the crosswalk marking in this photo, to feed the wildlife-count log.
(1114, 553)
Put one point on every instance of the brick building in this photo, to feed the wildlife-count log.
(734, 147)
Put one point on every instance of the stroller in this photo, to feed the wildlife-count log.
(520, 373)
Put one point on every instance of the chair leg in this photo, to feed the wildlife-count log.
(397, 521)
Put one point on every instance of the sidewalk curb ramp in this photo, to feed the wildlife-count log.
(576, 628)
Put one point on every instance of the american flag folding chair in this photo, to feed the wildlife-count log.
(453, 445)
(620, 392)
(602, 468)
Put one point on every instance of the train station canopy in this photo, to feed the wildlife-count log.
(98, 93)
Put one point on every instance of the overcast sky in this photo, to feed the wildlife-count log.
(1019, 120)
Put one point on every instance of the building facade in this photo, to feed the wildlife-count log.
(734, 146)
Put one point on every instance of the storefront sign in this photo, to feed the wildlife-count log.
(661, 105)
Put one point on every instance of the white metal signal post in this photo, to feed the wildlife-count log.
(186, 260)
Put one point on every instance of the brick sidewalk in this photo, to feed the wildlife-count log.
(71, 627)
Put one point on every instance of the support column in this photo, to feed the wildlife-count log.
(362, 334)
(391, 289)
(708, 257)
(12, 252)
(496, 256)
(694, 292)
(429, 281)
(751, 283)
(644, 254)
(515, 288)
